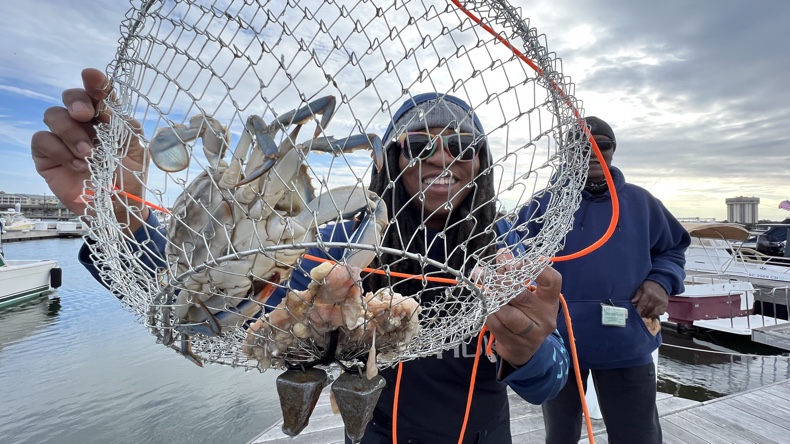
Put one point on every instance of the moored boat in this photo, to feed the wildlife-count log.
(23, 280)
(15, 221)
(728, 287)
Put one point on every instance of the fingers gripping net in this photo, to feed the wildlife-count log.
(251, 130)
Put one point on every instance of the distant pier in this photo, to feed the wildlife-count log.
(18, 236)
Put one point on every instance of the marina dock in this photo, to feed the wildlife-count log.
(760, 416)
(774, 335)
(18, 236)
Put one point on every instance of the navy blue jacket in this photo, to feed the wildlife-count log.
(434, 389)
(648, 244)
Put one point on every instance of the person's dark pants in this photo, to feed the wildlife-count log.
(496, 432)
(627, 397)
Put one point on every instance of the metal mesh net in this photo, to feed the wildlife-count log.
(208, 89)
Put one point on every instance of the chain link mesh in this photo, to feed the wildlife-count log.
(208, 66)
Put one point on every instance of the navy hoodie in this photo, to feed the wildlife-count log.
(648, 244)
(434, 389)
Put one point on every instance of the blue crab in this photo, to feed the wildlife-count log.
(261, 198)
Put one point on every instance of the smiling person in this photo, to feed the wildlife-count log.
(615, 295)
(436, 179)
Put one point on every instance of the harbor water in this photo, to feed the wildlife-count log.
(81, 369)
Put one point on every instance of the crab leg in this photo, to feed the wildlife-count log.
(248, 308)
(330, 204)
(324, 106)
(334, 146)
(186, 350)
(264, 134)
(369, 232)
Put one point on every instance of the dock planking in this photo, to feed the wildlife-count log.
(774, 335)
(760, 416)
(18, 236)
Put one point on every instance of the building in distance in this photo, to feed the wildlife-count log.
(742, 210)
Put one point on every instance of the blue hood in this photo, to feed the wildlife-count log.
(424, 97)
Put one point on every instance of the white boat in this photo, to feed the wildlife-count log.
(720, 304)
(725, 283)
(712, 251)
(22, 280)
(15, 221)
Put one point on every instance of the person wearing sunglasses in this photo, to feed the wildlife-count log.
(436, 179)
(615, 295)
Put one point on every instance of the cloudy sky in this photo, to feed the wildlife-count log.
(694, 90)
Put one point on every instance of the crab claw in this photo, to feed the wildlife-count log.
(334, 146)
(266, 144)
(168, 147)
(324, 106)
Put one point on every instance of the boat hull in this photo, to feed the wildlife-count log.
(685, 310)
(21, 281)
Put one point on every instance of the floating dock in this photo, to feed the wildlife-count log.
(18, 236)
(774, 335)
(758, 416)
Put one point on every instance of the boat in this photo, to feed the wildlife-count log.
(15, 221)
(713, 251)
(23, 280)
(728, 287)
(720, 304)
(772, 241)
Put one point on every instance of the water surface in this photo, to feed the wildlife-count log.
(83, 370)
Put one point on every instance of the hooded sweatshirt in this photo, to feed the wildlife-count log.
(648, 244)
(434, 389)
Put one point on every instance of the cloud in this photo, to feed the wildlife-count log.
(28, 93)
(695, 92)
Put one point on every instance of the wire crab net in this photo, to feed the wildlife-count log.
(260, 124)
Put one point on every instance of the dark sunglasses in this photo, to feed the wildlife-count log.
(419, 145)
(605, 145)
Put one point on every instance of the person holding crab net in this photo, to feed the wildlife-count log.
(615, 295)
(429, 162)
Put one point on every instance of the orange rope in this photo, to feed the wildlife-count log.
(612, 222)
(471, 383)
(395, 404)
(577, 370)
(134, 198)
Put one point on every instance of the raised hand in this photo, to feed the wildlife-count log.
(59, 154)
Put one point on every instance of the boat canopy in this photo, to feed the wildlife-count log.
(732, 232)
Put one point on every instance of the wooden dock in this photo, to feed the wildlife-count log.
(18, 236)
(759, 416)
(774, 335)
